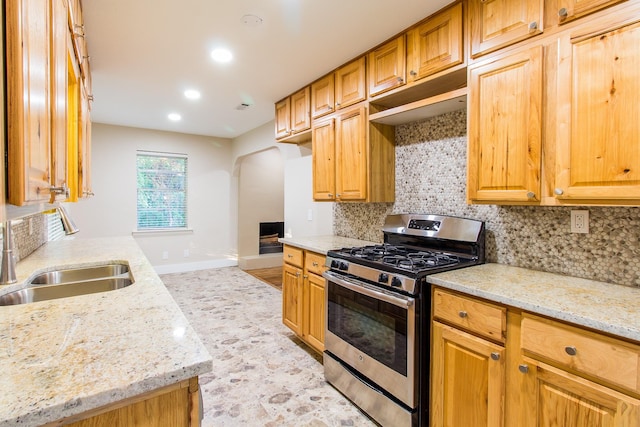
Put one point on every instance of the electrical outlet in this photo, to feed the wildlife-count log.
(185, 253)
(165, 254)
(579, 221)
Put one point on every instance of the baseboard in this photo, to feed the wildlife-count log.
(253, 262)
(194, 266)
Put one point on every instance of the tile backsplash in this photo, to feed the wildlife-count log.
(431, 178)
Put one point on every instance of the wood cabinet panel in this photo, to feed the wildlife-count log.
(568, 10)
(314, 263)
(475, 316)
(386, 66)
(300, 110)
(350, 83)
(293, 256)
(61, 54)
(505, 132)
(28, 101)
(467, 380)
(351, 155)
(323, 96)
(323, 160)
(436, 44)
(315, 311)
(613, 361)
(283, 118)
(597, 139)
(292, 297)
(499, 23)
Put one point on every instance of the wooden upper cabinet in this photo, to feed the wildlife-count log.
(350, 81)
(352, 155)
(436, 44)
(568, 10)
(60, 57)
(323, 96)
(499, 23)
(28, 100)
(300, 110)
(323, 160)
(505, 129)
(598, 142)
(387, 66)
(283, 118)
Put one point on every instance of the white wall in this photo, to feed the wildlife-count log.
(211, 197)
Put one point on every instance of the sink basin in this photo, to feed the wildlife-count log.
(49, 292)
(71, 282)
(80, 274)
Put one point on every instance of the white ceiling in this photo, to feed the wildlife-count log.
(145, 53)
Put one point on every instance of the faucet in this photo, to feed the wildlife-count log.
(8, 269)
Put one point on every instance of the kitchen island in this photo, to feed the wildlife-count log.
(69, 358)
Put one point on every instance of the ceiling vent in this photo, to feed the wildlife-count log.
(243, 106)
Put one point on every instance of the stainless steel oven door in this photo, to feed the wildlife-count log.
(374, 332)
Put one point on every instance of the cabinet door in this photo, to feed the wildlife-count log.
(387, 67)
(322, 96)
(565, 400)
(505, 131)
(568, 10)
(467, 380)
(350, 83)
(499, 23)
(435, 45)
(292, 297)
(323, 154)
(84, 145)
(598, 144)
(300, 110)
(283, 118)
(351, 155)
(314, 324)
(28, 101)
(59, 118)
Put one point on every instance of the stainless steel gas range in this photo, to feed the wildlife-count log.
(378, 310)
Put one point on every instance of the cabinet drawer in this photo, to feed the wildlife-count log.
(292, 255)
(614, 361)
(482, 318)
(314, 263)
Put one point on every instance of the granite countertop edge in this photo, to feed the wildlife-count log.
(600, 306)
(59, 359)
(325, 243)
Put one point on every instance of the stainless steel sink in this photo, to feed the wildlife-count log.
(80, 274)
(71, 282)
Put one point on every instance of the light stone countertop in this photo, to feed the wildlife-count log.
(323, 244)
(602, 306)
(63, 357)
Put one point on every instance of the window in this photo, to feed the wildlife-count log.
(162, 190)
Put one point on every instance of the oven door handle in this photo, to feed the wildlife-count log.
(362, 288)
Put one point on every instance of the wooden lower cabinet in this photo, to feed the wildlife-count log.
(303, 297)
(467, 379)
(177, 405)
(545, 373)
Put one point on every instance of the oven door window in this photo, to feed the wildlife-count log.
(375, 327)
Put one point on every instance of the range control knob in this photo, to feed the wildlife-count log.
(383, 278)
(335, 263)
(344, 266)
(396, 283)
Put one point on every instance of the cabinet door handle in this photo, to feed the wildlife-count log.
(495, 356)
(413, 73)
(400, 80)
(297, 274)
(330, 195)
(533, 26)
(531, 195)
(523, 368)
(558, 191)
(570, 350)
(462, 314)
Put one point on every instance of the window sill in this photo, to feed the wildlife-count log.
(162, 232)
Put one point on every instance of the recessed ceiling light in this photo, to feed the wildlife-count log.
(175, 117)
(192, 94)
(221, 55)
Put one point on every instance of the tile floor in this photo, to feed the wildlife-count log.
(263, 375)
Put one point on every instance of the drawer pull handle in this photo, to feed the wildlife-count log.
(571, 351)
(462, 314)
(289, 256)
(495, 356)
(523, 368)
(315, 264)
